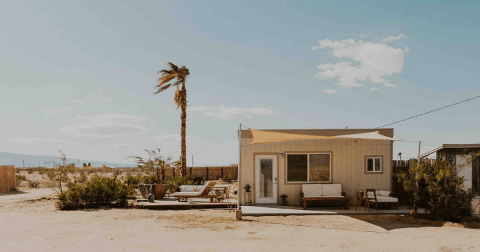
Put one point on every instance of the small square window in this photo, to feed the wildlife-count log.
(373, 165)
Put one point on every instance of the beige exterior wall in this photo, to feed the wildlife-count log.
(348, 164)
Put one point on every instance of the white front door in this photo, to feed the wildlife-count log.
(266, 179)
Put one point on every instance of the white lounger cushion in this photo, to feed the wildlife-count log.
(332, 190)
(312, 190)
(186, 194)
(386, 199)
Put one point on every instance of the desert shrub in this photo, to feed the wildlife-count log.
(59, 174)
(19, 179)
(33, 183)
(30, 171)
(133, 180)
(439, 190)
(227, 178)
(117, 172)
(194, 180)
(95, 193)
(82, 177)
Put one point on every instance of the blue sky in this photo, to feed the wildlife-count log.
(79, 76)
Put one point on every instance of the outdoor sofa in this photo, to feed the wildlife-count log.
(324, 193)
(198, 192)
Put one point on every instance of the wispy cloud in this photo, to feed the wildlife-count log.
(373, 89)
(122, 146)
(366, 61)
(57, 110)
(330, 91)
(231, 113)
(105, 98)
(172, 138)
(387, 39)
(390, 85)
(77, 101)
(35, 140)
(109, 125)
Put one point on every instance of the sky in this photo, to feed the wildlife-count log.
(79, 76)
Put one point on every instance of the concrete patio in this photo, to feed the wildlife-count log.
(277, 210)
(170, 203)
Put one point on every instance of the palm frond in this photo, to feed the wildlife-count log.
(161, 89)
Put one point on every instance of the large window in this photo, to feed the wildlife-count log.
(373, 165)
(315, 167)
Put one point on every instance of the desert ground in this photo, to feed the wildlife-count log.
(29, 221)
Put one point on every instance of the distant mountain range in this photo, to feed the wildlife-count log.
(18, 160)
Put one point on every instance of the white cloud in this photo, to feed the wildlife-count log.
(122, 146)
(77, 101)
(57, 110)
(109, 125)
(330, 91)
(390, 85)
(230, 113)
(104, 98)
(35, 140)
(373, 89)
(366, 61)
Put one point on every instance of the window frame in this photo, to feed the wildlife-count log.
(308, 168)
(366, 164)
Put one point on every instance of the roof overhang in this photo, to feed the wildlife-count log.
(265, 136)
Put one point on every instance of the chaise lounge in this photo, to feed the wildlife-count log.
(324, 193)
(202, 192)
(373, 197)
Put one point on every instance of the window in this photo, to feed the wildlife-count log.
(373, 165)
(315, 167)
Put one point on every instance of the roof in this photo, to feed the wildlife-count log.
(451, 146)
(388, 132)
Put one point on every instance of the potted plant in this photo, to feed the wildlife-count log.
(154, 171)
(284, 199)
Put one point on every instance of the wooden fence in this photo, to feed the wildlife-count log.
(7, 178)
(209, 173)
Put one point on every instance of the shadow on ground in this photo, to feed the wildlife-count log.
(12, 193)
(391, 222)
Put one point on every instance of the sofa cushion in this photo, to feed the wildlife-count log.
(312, 190)
(384, 193)
(332, 189)
(386, 199)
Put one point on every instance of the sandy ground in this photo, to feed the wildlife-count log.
(29, 221)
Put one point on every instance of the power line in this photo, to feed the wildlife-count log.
(431, 111)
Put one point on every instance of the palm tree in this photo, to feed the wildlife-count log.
(179, 77)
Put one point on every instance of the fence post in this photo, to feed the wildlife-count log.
(207, 172)
(191, 171)
(222, 172)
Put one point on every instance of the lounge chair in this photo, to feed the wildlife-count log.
(204, 192)
(373, 197)
(326, 193)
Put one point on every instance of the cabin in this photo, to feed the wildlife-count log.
(277, 162)
(466, 158)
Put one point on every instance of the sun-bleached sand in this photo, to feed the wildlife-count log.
(29, 221)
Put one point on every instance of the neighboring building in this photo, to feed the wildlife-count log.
(278, 162)
(461, 155)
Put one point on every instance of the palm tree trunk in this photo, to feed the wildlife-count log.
(183, 131)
